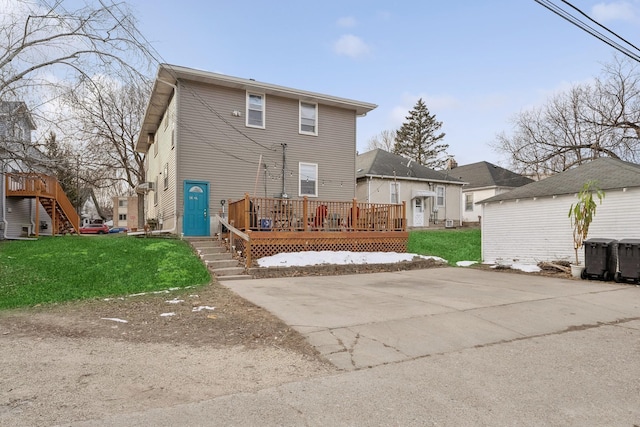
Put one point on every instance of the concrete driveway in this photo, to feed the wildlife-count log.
(453, 347)
(360, 321)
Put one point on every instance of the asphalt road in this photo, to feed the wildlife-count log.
(447, 346)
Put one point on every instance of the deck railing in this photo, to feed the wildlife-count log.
(45, 186)
(271, 214)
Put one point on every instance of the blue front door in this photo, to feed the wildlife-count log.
(196, 208)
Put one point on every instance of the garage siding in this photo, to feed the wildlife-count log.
(533, 230)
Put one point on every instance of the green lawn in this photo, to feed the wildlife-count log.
(56, 269)
(452, 245)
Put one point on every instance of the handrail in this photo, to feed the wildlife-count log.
(67, 207)
(224, 222)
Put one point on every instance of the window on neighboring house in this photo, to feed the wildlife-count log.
(165, 176)
(155, 192)
(308, 118)
(308, 173)
(173, 137)
(122, 217)
(165, 119)
(155, 147)
(468, 202)
(440, 196)
(255, 110)
(395, 192)
(122, 203)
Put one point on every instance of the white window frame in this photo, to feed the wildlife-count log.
(442, 196)
(155, 193)
(394, 185)
(468, 207)
(301, 177)
(315, 124)
(165, 177)
(263, 111)
(122, 217)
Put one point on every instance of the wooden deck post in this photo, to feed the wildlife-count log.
(247, 212)
(354, 215)
(305, 213)
(37, 215)
(248, 259)
(404, 215)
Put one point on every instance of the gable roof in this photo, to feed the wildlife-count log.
(17, 108)
(168, 76)
(607, 172)
(485, 174)
(380, 163)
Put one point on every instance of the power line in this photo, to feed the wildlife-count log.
(591, 30)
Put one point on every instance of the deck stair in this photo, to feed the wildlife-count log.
(218, 259)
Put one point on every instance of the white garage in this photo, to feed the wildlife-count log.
(531, 224)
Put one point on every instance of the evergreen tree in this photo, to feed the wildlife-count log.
(63, 167)
(417, 139)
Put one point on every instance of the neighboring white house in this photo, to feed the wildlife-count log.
(484, 180)
(530, 224)
(432, 197)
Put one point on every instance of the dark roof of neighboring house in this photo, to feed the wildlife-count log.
(382, 163)
(607, 172)
(168, 76)
(485, 174)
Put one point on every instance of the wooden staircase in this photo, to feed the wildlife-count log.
(47, 192)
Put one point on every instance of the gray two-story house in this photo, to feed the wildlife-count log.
(209, 138)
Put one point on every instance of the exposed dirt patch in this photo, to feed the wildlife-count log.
(210, 315)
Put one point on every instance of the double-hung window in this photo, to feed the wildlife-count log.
(308, 173)
(166, 176)
(468, 202)
(308, 118)
(395, 192)
(440, 197)
(255, 110)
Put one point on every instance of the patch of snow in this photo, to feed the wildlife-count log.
(301, 259)
(528, 268)
(167, 314)
(175, 301)
(465, 263)
(202, 307)
(194, 296)
(114, 319)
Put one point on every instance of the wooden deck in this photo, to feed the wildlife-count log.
(47, 192)
(261, 227)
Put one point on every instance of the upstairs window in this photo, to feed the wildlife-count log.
(165, 176)
(255, 110)
(308, 118)
(122, 203)
(308, 173)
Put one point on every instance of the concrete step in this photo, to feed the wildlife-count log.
(223, 263)
(222, 256)
(234, 277)
(211, 250)
(227, 271)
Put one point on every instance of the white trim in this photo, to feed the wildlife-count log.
(444, 196)
(264, 108)
(315, 125)
(315, 166)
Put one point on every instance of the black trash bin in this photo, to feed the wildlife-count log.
(600, 261)
(628, 261)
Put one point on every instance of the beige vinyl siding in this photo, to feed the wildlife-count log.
(216, 147)
(378, 190)
(165, 210)
(530, 231)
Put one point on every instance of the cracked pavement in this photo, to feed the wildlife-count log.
(369, 320)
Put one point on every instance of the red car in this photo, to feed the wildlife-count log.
(94, 229)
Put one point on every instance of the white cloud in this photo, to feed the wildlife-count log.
(615, 11)
(352, 46)
(347, 22)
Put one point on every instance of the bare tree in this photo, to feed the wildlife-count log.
(38, 40)
(385, 140)
(578, 125)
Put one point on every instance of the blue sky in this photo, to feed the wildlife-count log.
(475, 63)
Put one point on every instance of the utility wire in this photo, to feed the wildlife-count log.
(589, 29)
